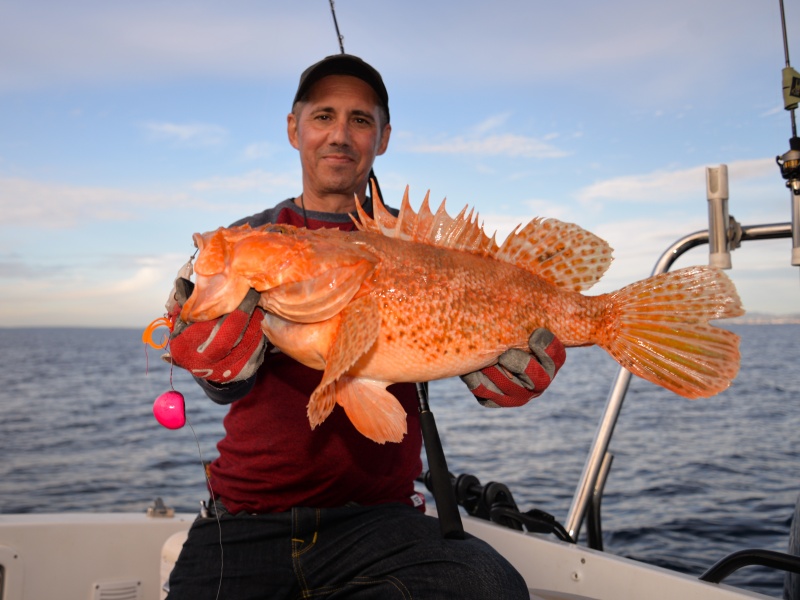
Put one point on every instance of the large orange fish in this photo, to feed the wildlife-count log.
(424, 296)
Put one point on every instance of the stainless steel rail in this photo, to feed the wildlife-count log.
(590, 478)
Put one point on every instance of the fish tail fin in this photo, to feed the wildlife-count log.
(658, 330)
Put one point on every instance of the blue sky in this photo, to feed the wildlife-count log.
(126, 127)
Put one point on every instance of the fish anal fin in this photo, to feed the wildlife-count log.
(358, 331)
(372, 410)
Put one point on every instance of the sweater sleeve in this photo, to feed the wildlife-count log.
(226, 393)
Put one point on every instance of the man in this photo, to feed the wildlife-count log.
(327, 513)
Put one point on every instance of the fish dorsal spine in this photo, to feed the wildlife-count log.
(562, 253)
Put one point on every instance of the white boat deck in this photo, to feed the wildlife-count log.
(121, 555)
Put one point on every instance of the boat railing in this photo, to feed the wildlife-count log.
(723, 235)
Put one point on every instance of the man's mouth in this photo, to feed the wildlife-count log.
(339, 157)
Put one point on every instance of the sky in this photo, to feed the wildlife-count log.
(125, 127)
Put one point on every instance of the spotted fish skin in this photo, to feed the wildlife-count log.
(424, 296)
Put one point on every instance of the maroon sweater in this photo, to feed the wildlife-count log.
(270, 460)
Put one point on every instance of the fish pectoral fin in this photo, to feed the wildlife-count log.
(372, 410)
(357, 332)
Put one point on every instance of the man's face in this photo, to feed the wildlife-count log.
(338, 133)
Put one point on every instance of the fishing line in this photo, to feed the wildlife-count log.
(213, 504)
(204, 512)
(187, 272)
(169, 408)
(208, 480)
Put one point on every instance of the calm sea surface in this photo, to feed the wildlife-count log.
(691, 482)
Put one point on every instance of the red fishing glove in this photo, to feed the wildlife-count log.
(519, 376)
(229, 348)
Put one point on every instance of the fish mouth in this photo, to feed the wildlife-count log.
(216, 296)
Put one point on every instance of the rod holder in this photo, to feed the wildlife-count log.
(717, 193)
(789, 164)
(796, 230)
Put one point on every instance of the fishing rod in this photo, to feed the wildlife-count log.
(791, 78)
(339, 36)
(440, 478)
(789, 163)
(340, 40)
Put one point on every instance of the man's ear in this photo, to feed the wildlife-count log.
(291, 130)
(384, 143)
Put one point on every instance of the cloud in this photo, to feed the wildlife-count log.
(187, 134)
(771, 112)
(641, 188)
(485, 140)
(491, 123)
(30, 203)
(670, 185)
(507, 144)
(256, 180)
(259, 150)
(14, 267)
(130, 293)
(143, 273)
(42, 205)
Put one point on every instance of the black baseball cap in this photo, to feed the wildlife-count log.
(343, 64)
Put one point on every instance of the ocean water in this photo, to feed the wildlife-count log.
(692, 481)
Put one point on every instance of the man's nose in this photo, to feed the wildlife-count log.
(340, 133)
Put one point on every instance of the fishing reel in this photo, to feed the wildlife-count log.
(789, 165)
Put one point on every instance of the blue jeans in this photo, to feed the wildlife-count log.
(382, 552)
